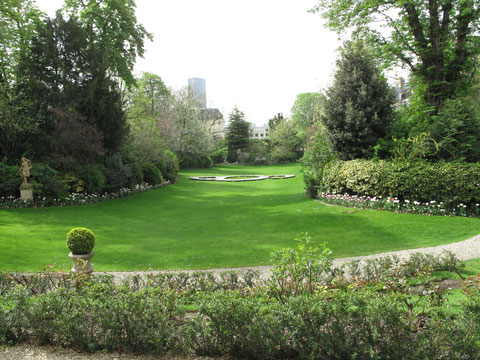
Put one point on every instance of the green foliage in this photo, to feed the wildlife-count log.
(318, 154)
(219, 153)
(307, 110)
(9, 179)
(130, 158)
(46, 182)
(146, 105)
(456, 129)
(414, 148)
(171, 166)
(237, 134)
(437, 41)
(80, 240)
(452, 183)
(112, 26)
(91, 179)
(151, 174)
(285, 144)
(273, 122)
(117, 173)
(191, 161)
(358, 109)
(298, 271)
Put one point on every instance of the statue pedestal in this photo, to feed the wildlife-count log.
(26, 192)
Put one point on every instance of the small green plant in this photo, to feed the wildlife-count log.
(80, 240)
(299, 271)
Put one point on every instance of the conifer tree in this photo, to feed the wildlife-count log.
(358, 109)
(237, 134)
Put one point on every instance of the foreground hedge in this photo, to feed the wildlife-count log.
(449, 182)
(307, 309)
(353, 323)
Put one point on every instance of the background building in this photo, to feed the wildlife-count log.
(199, 89)
(258, 132)
(212, 117)
(214, 120)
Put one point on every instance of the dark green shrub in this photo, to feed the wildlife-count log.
(192, 161)
(130, 159)
(117, 174)
(449, 182)
(205, 162)
(282, 155)
(171, 166)
(9, 179)
(151, 174)
(80, 240)
(92, 177)
(46, 182)
(219, 153)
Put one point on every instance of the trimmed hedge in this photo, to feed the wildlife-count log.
(448, 182)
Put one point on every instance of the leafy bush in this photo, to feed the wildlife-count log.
(190, 161)
(151, 174)
(319, 153)
(282, 154)
(80, 240)
(92, 177)
(130, 158)
(171, 166)
(46, 182)
(219, 153)
(9, 179)
(449, 182)
(117, 174)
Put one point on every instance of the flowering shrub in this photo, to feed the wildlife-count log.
(76, 198)
(399, 206)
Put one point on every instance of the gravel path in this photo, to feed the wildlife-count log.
(465, 250)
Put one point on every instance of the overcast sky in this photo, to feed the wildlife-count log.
(256, 54)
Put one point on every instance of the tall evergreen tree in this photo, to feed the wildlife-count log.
(65, 72)
(358, 109)
(237, 134)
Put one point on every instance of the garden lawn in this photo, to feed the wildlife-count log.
(207, 224)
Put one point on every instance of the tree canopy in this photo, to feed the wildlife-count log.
(437, 40)
(112, 26)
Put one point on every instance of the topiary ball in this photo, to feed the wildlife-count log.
(80, 240)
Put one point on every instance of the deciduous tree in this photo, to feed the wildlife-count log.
(437, 39)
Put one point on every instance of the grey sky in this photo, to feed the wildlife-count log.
(257, 54)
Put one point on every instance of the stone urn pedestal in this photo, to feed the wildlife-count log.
(82, 264)
(26, 193)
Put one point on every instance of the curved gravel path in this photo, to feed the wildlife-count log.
(464, 250)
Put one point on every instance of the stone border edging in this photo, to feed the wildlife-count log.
(232, 178)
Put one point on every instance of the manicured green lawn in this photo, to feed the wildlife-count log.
(206, 224)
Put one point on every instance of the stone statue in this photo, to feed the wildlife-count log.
(25, 169)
